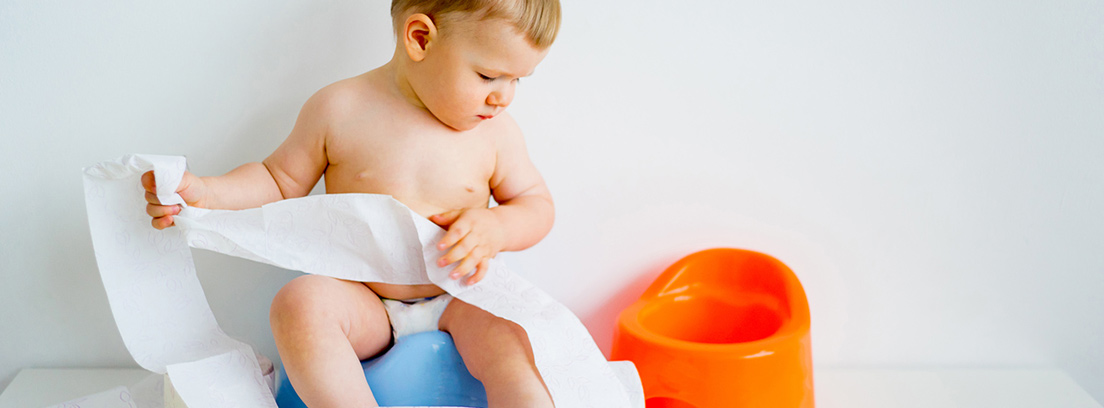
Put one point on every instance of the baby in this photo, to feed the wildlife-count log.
(429, 129)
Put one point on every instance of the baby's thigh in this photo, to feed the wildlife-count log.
(313, 305)
(473, 329)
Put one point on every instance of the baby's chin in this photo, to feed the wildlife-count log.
(462, 125)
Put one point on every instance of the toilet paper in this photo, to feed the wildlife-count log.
(167, 325)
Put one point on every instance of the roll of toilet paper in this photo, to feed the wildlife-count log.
(167, 325)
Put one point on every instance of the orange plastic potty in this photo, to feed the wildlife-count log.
(721, 328)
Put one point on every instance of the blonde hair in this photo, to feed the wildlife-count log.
(538, 20)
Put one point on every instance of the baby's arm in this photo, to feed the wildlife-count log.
(522, 218)
(291, 171)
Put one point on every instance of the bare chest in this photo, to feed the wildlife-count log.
(429, 169)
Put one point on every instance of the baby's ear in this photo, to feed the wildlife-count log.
(419, 31)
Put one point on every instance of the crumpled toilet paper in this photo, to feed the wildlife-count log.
(168, 327)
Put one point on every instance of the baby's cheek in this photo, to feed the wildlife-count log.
(474, 98)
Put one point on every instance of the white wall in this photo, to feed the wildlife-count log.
(931, 171)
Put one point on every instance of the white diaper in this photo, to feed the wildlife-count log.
(410, 317)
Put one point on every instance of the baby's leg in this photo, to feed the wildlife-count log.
(323, 328)
(496, 352)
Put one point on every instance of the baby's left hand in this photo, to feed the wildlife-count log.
(475, 235)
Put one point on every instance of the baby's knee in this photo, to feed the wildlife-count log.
(302, 301)
(460, 312)
(509, 328)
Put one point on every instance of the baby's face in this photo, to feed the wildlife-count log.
(470, 75)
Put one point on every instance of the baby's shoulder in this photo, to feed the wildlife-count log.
(504, 129)
(351, 96)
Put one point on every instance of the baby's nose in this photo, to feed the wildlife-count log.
(500, 99)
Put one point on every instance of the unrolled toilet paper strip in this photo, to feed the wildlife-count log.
(167, 325)
(118, 397)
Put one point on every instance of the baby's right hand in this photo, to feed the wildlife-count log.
(192, 189)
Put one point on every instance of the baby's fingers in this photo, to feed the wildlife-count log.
(480, 271)
(456, 232)
(458, 252)
(465, 266)
(446, 219)
(152, 198)
(155, 210)
(162, 222)
(148, 182)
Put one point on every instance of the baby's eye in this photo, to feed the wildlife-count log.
(486, 78)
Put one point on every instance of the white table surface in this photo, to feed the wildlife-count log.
(835, 388)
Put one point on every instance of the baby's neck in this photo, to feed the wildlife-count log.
(395, 78)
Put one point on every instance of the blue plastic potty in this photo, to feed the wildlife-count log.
(422, 369)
